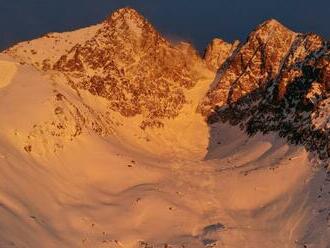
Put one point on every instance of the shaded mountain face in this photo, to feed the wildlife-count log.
(278, 81)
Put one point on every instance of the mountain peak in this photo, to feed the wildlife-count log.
(125, 12)
(127, 22)
(131, 65)
(270, 29)
(272, 26)
(257, 61)
(126, 15)
(272, 23)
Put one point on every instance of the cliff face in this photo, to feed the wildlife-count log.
(277, 81)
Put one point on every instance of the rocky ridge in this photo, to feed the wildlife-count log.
(251, 65)
(276, 82)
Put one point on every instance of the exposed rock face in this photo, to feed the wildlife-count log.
(190, 52)
(277, 81)
(133, 66)
(304, 46)
(252, 65)
(217, 52)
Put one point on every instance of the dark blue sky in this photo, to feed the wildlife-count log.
(192, 20)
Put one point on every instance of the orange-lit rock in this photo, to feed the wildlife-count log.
(217, 52)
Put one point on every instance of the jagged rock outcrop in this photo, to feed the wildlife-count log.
(217, 52)
(252, 65)
(129, 63)
(276, 82)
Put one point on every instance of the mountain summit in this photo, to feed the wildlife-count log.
(129, 20)
(129, 63)
(255, 62)
(276, 82)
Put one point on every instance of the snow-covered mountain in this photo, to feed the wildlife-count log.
(112, 136)
(276, 82)
(130, 64)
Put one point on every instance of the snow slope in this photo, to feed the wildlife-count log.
(106, 191)
(8, 70)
